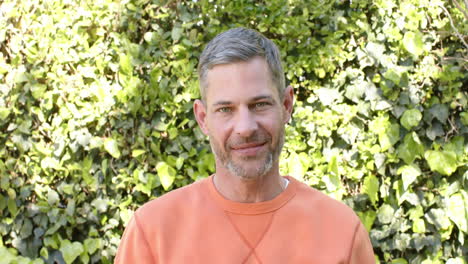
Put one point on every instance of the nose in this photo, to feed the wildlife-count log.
(246, 124)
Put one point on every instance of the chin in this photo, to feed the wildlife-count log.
(251, 172)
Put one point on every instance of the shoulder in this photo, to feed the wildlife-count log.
(182, 199)
(331, 219)
(170, 211)
(315, 201)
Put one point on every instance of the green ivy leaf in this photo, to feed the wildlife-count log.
(371, 188)
(332, 179)
(150, 36)
(12, 207)
(11, 193)
(409, 173)
(84, 257)
(38, 90)
(52, 197)
(389, 136)
(376, 50)
(443, 162)
(333, 165)
(456, 211)
(70, 251)
(463, 117)
(296, 169)
(110, 145)
(166, 174)
(456, 145)
(327, 96)
(125, 64)
(44, 253)
(410, 118)
(368, 218)
(411, 148)
(438, 218)
(91, 245)
(137, 152)
(7, 255)
(355, 91)
(412, 41)
(419, 226)
(399, 261)
(4, 112)
(416, 212)
(26, 229)
(386, 214)
(126, 215)
(3, 202)
(176, 33)
(440, 111)
(51, 241)
(393, 76)
(71, 207)
(50, 162)
(4, 182)
(179, 162)
(458, 260)
(435, 130)
(100, 204)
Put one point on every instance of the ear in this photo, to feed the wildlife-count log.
(199, 110)
(288, 103)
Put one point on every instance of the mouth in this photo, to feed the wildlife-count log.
(248, 149)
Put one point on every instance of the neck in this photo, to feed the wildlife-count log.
(260, 189)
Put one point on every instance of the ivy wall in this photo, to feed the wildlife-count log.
(96, 116)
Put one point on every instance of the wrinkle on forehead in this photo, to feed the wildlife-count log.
(239, 76)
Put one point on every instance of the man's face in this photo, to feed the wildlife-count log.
(244, 117)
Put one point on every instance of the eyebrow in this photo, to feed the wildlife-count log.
(222, 103)
(262, 97)
(254, 99)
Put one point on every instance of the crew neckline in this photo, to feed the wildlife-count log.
(253, 208)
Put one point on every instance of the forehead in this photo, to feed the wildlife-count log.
(239, 81)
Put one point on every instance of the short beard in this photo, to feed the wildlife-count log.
(239, 171)
(242, 173)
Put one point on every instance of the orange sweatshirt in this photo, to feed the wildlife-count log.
(195, 224)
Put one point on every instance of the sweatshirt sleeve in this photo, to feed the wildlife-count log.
(361, 250)
(134, 247)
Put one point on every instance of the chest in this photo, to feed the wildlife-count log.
(221, 237)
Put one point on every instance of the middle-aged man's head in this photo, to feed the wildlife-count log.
(245, 104)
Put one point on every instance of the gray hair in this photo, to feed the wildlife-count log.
(240, 44)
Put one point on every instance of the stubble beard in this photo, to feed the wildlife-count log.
(236, 168)
(241, 172)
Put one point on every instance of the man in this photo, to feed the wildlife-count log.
(246, 212)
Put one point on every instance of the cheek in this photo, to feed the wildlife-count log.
(218, 131)
(272, 122)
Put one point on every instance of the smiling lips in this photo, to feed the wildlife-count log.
(248, 149)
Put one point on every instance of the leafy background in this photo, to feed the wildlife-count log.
(96, 116)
